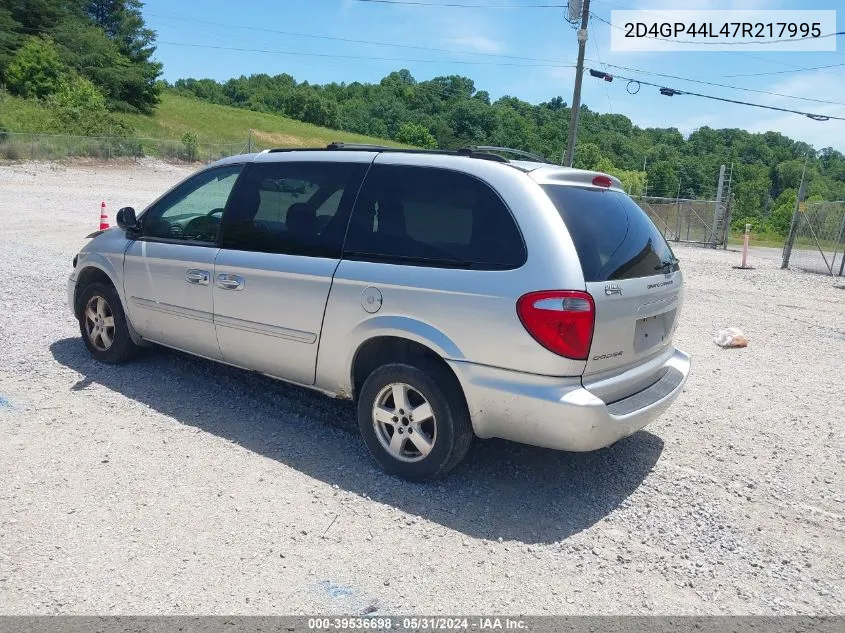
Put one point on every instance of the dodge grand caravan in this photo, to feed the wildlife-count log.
(450, 294)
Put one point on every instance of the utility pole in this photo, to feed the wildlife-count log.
(576, 95)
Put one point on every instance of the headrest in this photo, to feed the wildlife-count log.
(302, 218)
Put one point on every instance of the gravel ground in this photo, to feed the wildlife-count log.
(173, 485)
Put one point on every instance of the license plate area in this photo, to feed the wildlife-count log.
(653, 331)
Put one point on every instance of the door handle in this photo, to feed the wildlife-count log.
(230, 282)
(199, 277)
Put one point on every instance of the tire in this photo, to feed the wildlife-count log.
(447, 431)
(103, 325)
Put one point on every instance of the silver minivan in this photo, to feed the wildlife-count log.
(450, 294)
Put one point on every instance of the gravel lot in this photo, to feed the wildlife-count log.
(174, 485)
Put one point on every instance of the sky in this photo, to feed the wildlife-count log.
(489, 43)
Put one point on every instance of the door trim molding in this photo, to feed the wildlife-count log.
(263, 328)
(166, 308)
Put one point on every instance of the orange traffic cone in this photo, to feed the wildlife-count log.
(104, 217)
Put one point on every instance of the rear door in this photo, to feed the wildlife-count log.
(630, 271)
(281, 242)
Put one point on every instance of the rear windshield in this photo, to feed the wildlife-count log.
(615, 239)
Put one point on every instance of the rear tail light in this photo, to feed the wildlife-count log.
(602, 181)
(560, 320)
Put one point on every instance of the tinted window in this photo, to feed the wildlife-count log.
(193, 211)
(294, 208)
(428, 216)
(615, 239)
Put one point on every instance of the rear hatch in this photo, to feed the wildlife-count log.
(635, 281)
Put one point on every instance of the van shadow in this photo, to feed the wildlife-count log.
(502, 490)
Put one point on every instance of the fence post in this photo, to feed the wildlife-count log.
(717, 210)
(726, 232)
(678, 213)
(838, 244)
(793, 227)
(249, 142)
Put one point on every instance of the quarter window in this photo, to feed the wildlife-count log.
(432, 217)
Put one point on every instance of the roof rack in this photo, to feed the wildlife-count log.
(509, 150)
(358, 146)
(464, 151)
(484, 152)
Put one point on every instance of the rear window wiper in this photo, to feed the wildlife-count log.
(668, 263)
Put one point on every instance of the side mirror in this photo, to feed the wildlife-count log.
(126, 219)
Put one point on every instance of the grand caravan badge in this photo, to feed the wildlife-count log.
(612, 289)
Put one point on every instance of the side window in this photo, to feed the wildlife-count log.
(193, 211)
(436, 217)
(296, 208)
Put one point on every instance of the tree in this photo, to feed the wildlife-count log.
(36, 69)
(781, 216)
(103, 40)
(122, 22)
(9, 39)
(587, 156)
(662, 180)
(416, 135)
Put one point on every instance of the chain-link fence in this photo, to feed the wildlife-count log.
(818, 241)
(692, 221)
(21, 146)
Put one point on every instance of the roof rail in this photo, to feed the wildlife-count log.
(359, 146)
(474, 149)
(483, 152)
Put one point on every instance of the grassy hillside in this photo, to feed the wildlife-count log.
(212, 123)
(176, 115)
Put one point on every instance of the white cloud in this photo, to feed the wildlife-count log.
(475, 44)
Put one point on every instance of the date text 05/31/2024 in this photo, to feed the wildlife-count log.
(731, 30)
(416, 624)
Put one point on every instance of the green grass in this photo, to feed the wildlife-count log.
(761, 239)
(25, 115)
(220, 129)
(212, 123)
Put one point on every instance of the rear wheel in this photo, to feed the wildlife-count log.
(414, 420)
(103, 325)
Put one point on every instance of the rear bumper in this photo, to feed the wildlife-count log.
(560, 413)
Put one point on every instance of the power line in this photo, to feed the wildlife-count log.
(466, 5)
(781, 72)
(718, 85)
(494, 55)
(669, 92)
(353, 41)
(702, 43)
(392, 59)
(606, 89)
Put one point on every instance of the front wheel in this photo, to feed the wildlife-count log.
(103, 325)
(414, 420)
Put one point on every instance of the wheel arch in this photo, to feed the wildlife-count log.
(95, 271)
(91, 273)
(396, 339)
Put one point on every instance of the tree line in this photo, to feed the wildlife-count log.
(448, 112)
